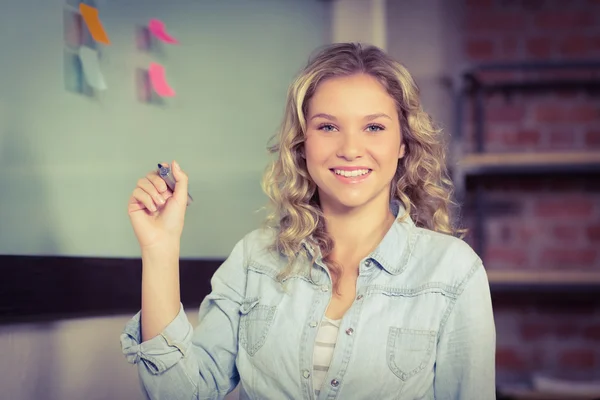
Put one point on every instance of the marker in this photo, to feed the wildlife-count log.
(165, 173)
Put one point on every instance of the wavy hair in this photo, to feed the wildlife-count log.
(421, 182)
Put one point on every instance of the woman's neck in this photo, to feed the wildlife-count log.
(357, 232)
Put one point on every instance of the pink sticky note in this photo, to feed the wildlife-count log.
(159, 81)
(158, 29)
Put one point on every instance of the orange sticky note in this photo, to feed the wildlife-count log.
(90, 16)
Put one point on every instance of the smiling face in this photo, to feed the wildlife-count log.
(353, 142)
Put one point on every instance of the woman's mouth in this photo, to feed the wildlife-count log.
(351, 176)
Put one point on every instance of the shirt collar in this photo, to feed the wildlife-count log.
(394, 250)
(397, 245)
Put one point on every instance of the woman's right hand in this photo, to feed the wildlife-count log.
(157, 214)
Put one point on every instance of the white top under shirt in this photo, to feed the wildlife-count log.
(323, 350)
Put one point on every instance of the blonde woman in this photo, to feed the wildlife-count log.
(356, 288)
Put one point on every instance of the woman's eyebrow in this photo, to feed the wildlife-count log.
(368, 117)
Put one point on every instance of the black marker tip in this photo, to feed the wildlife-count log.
(159, 166)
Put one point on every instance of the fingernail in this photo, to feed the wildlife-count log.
(177, 165)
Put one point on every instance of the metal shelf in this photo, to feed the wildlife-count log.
(544, 277)
(548, 162)
(473, 89)
(544, 281)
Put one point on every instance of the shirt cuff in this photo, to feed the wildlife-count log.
(162, 351)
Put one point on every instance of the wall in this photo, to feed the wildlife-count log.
(70, 162)
(544, 224)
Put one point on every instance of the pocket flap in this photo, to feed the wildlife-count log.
(248, 304)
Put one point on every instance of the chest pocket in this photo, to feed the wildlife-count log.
(409, 351)
(255, 322)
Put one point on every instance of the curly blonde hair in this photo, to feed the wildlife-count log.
(421, 182)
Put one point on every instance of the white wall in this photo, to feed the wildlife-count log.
(70, 162)
(424, 36)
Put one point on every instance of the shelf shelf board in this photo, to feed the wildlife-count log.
(544, 277)
(498, 163)
(530, 394)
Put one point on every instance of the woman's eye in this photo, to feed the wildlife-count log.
(375, 128)
(326, 127)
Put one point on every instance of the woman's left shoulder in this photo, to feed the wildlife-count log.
(446, 255)
(444, 244)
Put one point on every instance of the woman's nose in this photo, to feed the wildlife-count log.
(350, 146)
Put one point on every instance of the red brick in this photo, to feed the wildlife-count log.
(526, 233)
(526, 137)
(569, 257)
(532, 331)
(592, 332)
(480, 49)
(592, 138)
(510, 359)
(566, 330)
(494, 76)
(577, 207)
(495, 22)
(577, 358)
(483, 4)
(584, 113)
(505, 113)
(567, 233)
(554, 20)
(575, 46)
(506, 257)
(595, 45)
(539, 47)
(593, 232)
(561, 139)
(550, 113)
(533, 4)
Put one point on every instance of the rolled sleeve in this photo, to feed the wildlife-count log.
(186, 362)
(162, 351)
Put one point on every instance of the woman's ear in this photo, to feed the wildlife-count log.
(302, 152)
(402, 151)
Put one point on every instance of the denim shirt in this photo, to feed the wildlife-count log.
(420, 327)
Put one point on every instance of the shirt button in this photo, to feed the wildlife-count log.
(360, 296)
(349, 331)
(335, 383)
(313, 324)
(306, 374)
(368, 263)
(324, 288)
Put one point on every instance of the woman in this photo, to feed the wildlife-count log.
(356, 288)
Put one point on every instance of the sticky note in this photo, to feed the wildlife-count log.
(159, 30)
(92, 20)
(159, 81)
(73, 32)
(91, 68)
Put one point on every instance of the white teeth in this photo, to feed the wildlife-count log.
(357, 172)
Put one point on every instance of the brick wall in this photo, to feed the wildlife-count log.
(548, 222)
